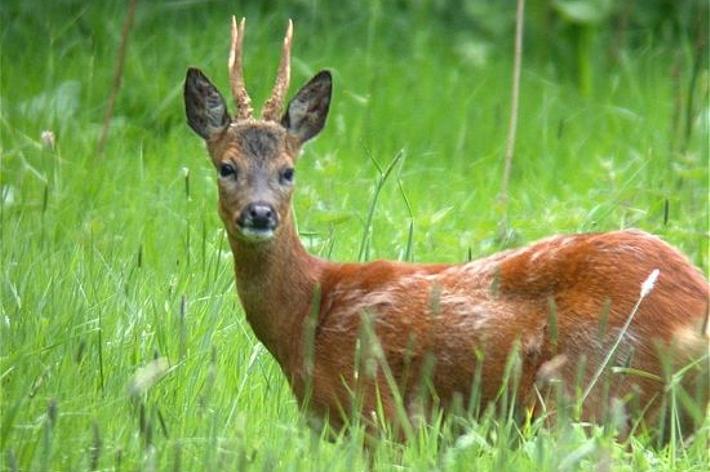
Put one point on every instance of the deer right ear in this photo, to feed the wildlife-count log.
(204, 106)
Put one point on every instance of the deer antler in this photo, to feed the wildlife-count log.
(236, 73)
(272, 107)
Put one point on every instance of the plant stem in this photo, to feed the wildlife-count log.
(515, 94)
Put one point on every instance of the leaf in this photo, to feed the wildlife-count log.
(440, 215)
(62, 102)
(583, 11)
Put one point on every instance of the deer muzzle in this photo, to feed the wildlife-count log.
(258, 221)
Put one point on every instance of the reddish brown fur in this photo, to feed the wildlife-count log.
(510, 295)
(384, 331)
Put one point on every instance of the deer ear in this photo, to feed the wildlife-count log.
(204, 106)
(307, 111)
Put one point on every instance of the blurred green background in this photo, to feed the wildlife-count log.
(112, 259)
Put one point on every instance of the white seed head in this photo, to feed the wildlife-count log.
(649, 283)
(48, 139)
(147, 376)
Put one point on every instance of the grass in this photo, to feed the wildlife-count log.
(117, 262)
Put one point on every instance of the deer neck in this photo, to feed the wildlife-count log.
(276, 281)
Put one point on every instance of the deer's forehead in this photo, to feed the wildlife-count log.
(257, 141)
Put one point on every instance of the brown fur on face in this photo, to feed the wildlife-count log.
(260, 153)
(255, 158)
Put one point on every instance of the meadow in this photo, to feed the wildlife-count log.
(122, 342)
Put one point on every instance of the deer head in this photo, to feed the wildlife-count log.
(255, 158)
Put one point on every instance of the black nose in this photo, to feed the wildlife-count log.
(258, 215)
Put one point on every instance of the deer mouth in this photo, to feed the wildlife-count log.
(253, 234)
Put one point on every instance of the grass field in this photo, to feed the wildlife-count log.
(112, 261)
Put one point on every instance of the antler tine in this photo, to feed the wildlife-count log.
(236, 73)
(272, 107)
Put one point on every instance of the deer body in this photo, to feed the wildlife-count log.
(438, 319)
(359, 338)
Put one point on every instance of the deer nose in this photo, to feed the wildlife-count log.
(258, 215)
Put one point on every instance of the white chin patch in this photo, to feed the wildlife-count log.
(253, 234)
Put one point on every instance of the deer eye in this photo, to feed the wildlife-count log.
(227, 170)
(287, 175)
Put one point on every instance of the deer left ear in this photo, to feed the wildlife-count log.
(307, 111)
(204, 106)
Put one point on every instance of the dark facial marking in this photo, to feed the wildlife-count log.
(259, 143)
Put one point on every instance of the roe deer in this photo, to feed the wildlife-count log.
(401, 338)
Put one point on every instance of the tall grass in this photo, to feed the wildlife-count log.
(116, 270)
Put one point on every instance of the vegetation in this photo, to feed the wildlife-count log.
(122, 343)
